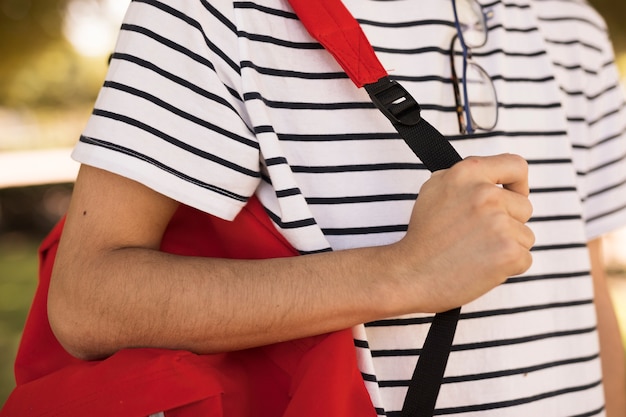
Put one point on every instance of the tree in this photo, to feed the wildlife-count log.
(39, 68)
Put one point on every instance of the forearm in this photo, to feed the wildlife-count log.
(208, 305)
(611, 348)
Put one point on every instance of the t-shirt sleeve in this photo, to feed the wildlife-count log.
(596, 113)
(170, 114)
(601, 158)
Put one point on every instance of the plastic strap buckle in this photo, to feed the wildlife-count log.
(394, 101)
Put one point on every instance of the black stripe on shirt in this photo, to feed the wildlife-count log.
(264, 9)
(488, 344)
(510, 403)
(154, 162)
(292, 224)
(176, 142)
(607, 213)
(275, 72)
(180, 81)
(192, 22)
(360, 199)
(409, 321)
(542, 277)
(497, 374)
(365, 230)
(175, 110)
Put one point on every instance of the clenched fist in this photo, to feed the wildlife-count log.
(467, 233)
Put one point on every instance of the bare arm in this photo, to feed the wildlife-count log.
(611, 348)
(112, 288)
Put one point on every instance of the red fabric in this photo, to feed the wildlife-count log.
(333, 26)
(306, 377)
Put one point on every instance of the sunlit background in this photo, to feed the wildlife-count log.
(53, 57)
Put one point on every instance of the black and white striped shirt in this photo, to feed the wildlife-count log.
(210, 102)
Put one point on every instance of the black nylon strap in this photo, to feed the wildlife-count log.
(436, 153)
(430, 146)
(424, 386)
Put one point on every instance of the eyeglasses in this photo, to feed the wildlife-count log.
(477, 107)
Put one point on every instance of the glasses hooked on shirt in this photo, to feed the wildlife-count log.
(474, 92)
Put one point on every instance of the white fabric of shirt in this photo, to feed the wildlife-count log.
(210, 102)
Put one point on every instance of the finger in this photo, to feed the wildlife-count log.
(526, 239)
(509, 170)
(518, 257)
(517, 206)
(525, 236)
(524, 262)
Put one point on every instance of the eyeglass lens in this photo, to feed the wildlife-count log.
(479, 91)
(472, 23)
(481, 96)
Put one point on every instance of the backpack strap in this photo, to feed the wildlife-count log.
(329, 22)
(333, 26)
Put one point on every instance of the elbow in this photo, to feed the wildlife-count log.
(70, 338)
(71, 341)
(71, 323)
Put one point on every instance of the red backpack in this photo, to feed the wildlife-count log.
(299, 378)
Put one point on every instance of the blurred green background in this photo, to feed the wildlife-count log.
(54, 57)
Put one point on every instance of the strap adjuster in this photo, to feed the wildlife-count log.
(394, 101)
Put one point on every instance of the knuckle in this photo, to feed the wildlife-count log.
(528, 207)
(515, 160)
(525, 262)
(514, 257)
(485, 196)
(531, 238)
(520, 161)
(469, 164)
(466, 167)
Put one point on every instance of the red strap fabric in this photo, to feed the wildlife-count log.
(333, 26)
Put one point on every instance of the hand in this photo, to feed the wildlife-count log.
(467, 232)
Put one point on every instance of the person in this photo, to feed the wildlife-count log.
(209, 103)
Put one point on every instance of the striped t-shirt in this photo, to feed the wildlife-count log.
(210, 102)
